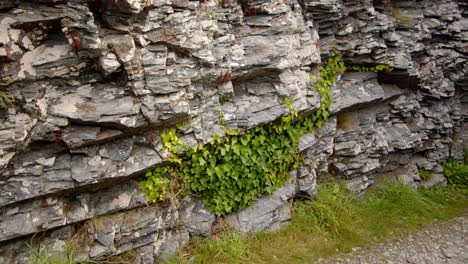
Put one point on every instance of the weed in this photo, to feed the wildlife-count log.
(5, 100)
(224, 99)
(336, 221)
(42, 255)
(221, 119)
(377, 68)
(157, 184)
(424, 174)
(456, 173)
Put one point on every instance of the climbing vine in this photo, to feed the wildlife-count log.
(231, 171)
(377, 68)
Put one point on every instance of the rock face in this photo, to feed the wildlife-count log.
(93, 84)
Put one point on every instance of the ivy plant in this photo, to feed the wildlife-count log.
(231, 171)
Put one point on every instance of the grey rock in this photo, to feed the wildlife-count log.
(307, 141)
(109, 63)
(356, 89)
(266, 213)
(196, 219)
(94, 104)
(94, 86)
(306, 182)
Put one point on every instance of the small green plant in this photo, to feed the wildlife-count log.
(328, 74)
(225, 98)
(293, 112)
(221, 119)
(41, 255)
(231, 171)
(288, 103)
(156, 184)
(424, 174)
(335, 221)
(456, 173)
(172, 143)
(181, 125)
(377, 68)
(5, 101)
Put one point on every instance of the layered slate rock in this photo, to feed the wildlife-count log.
(94, 83)
(268, 212)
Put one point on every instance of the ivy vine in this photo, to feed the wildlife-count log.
(377, 68)
(229, 172)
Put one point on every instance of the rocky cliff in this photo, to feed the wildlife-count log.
(87, 86)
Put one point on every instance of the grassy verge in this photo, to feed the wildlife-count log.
(335, 221)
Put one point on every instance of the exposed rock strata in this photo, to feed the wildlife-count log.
(95, 82)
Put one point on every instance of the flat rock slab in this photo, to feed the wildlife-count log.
(356, 89)
(98, 105)
(438, 243)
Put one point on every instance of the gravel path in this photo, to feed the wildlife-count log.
(437, 244)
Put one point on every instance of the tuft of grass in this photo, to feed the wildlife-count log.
(456, 174)
(5, 100)
(42, 255)
(425, 175)
(335, 222)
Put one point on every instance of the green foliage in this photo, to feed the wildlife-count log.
(335, 221)
(221, 119)
(5, 101)
(288, 103)
(232, 248)
(40, 254)
(157, 184)
(425, 175)
(328, 75)
(378, 68)
(181, 125)
(456, 173)
(441, 195)
(231, 171)
(293, 112)
(225, 98)
(402, 204)
(172, 143)
(334, 203)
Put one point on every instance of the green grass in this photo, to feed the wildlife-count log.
(425, 175)
(335, 222)
(5, 101)
(42, 255)
(456, 174)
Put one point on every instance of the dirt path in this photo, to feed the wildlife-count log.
(437, 244)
